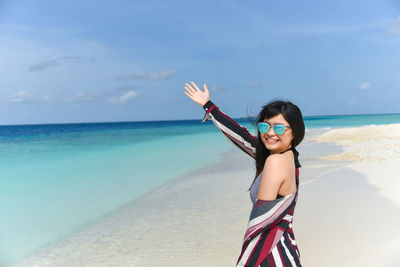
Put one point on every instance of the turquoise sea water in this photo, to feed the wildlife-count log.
(56, 178)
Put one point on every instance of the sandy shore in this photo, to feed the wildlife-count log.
(345, 216)
(355, 220)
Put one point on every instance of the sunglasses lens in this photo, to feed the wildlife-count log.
(263, 127)
(279, 129)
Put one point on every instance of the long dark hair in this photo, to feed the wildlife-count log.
(292, 115)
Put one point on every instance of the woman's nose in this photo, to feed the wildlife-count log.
(271, 131)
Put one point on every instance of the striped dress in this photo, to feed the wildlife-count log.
(269, 239)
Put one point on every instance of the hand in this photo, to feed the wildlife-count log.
(196, 94)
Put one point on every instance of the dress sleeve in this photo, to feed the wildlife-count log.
(233, 131)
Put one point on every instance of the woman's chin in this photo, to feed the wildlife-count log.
(272, 147)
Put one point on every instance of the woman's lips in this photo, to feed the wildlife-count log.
(271, 141)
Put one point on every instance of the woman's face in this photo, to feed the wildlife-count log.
(277, 143)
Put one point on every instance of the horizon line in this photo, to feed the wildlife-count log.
(94, 122)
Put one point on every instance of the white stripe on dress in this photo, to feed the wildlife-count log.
(291, 259)
(265, 216)
(292, 241)
(232, 133)
(288, 218)
(263, 220)
(277, 257)
(248, 251)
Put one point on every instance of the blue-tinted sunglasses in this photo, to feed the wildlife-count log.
(279, 128)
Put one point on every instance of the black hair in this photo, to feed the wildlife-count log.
(292, 115)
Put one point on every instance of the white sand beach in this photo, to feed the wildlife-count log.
(346, 215)
(357, 204)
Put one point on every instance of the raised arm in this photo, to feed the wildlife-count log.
(233, 131)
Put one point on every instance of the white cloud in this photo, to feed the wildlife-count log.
(151, 76)
(394, 26)
(124, 98)
(43, 65)
(57, 61)
(22, 96)
(365, 85)
(83, 96)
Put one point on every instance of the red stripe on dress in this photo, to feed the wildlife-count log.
(280, 209)
(270, 260)
(211, 108)
(272, 239)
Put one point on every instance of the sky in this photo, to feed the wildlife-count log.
(97, 61)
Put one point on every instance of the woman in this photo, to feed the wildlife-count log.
(269, 238)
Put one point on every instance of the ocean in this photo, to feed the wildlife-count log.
(56, 178)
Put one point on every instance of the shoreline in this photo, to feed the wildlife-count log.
(179, 212)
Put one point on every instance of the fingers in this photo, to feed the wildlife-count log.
(189, 95)
(195, 86)
(205, 88)
(189, 88)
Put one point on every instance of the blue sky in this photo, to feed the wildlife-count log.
(87, 61)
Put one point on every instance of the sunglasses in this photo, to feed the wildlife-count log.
(279, 128)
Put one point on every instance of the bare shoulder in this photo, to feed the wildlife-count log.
(275, 167)
(276, 156)
(277, 160)
(274, 174)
